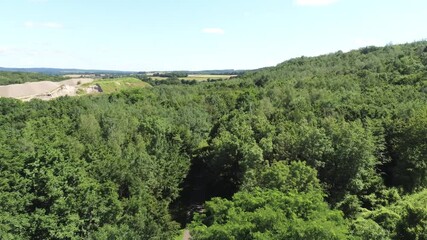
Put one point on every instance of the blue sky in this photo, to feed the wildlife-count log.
(197, 34)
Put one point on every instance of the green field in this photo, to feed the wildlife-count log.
(118, 84)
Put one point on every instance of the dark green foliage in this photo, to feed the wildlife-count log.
(91, 169)
(410, 148)
(367, 229)
(406, 219)
(276, 206)
(331, 147)
(295, 177)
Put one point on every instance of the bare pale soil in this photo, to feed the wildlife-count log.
(45, 90)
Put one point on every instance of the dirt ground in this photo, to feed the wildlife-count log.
(44, 90)
(187, 235)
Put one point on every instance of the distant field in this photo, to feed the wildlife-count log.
(118, 84)
(197, 77)
(79, 75)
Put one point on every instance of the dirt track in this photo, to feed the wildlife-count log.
(187, 235)
(45, 90)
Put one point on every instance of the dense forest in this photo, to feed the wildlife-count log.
(328, 147)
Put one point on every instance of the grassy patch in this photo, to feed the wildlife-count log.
(118, 84)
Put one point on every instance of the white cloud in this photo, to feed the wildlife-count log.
(3, 50)
(6, 50)
(29, 24)
(218, 31)
(314, 2)
(51, 25)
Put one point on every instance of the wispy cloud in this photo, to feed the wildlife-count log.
(218, 31)
(29, 24)
(7, 50)
(3, 50)
(51, 25)
(314, 3)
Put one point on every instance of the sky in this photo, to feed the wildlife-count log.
(165, 35)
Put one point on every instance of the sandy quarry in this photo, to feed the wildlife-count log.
(47, 90)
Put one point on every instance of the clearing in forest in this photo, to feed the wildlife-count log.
(118, 84)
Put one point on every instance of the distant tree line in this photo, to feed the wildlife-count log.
(171, 74)
(169, 81)
(7, 78)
